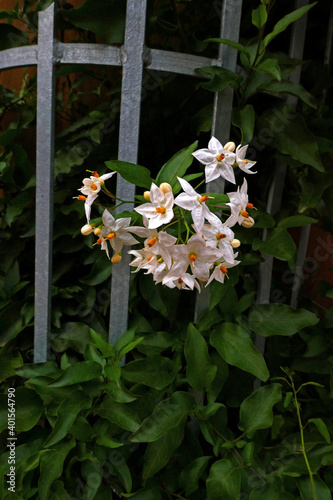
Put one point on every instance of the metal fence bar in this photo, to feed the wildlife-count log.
(19, 56)
(227, 56)
(175, 62)
(88, 53)
(44, 182)
(132, 57)
(275, 193)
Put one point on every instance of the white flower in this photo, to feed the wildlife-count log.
(220, 236)
(238, 205)
(116, 233)
(191, 200)
(218, 161)
(144, 259)
(242, 162)
(159, 211)
(184, 282)
(221, 270)
(91, 188)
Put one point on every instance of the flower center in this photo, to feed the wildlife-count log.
(244, 214)
(220, 236)
(220, 157)
(193, 257)
(223, 269)
(151, 242)
(111, 235)
(93, 186)
(204, 198)
(160, 210)
(180, 281)
(249, 205)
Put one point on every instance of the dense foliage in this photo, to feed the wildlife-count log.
(181, 418)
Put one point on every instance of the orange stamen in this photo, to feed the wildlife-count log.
(151, 242)
(204, 198)
(81, 197)
(160, 210)
(99, 241)
(221, 236)
(110, 236)
(220, 157)
(149, 258)
(93, 186)
(95, 174)
(244, 214)
(223, 270)
(193, 257)
(180, 281)
(249, 205)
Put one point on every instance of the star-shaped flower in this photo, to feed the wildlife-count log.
(218, 161)
(159, 211)
(91, 188)
(116, 233)
(242, 162)
(221, 270)
(239, 205)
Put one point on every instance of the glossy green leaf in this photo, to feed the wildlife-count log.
(102, 344)
(221, 78)
(100, 271)
(278, 243)
(322, 428)
(270, 66)
(283, 23)
(190, 475)
(321, 489)
(154, 371)
(236, 347)
(230, 43)
(104, 18)
(256, 411)
(244, 119)
(66, 415)
(285, 87)
(158, 453)
(117, 393)
(135, 174)
(297, 221)
(80, 372)
(167, 415)
(224, 481)
(200, 370)
(259, 16)
(247, 454)
(279, 319)
(119, 413)
(220, 377)
(176, 166)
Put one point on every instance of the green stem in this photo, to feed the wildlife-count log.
(301, 428)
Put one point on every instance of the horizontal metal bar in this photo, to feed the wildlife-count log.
(88, 53)
(19, 56)
(175, 62)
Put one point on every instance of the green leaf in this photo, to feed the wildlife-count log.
(28, 409)
(105, 18)
(285, 21)
(279, 319)
(221, 78)
(271, 67)
(119, 413)
(102, 344)
(200, 370)
(100, 271)
(232, 44)
(66, 415)
(259, 16)
(247, 454)
(297, 221)
(278, 243)
(220, 378)
(51, 466)
(190, 475)
(244, 119)
(256, 411)
(17, 206)
(108, 442)
(117, 393)
(80, 372)
(286, 87)
(313, 187)
(236, 348)
(167, 415)
(130, 346)
(176, 166)
(321, 489)
(158, 453)
(321, 426)
(154, 371)
(135, 174)
(224, 481)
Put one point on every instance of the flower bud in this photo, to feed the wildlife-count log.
(248, 222)
(116, 258)
(165, 188)
(230, 146)
(146, 195)
(87, 229)
(235, 243)
(97, 231)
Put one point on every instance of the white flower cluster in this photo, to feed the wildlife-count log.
(182, 262)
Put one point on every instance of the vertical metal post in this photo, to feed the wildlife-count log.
(275, 193)
(132, 55)
(227, 57)
(44, 181)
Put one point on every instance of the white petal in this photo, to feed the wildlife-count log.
(204, 156)
(215, 146)
(187, 202)
(212, 172)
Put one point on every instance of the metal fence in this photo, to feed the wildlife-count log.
(133, 56)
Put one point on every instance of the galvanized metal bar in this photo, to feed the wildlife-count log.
(276, 190)
(132, 58)
(44, 181)
(175, 62)
(227, 57)
(88, 53)
(19, 56)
